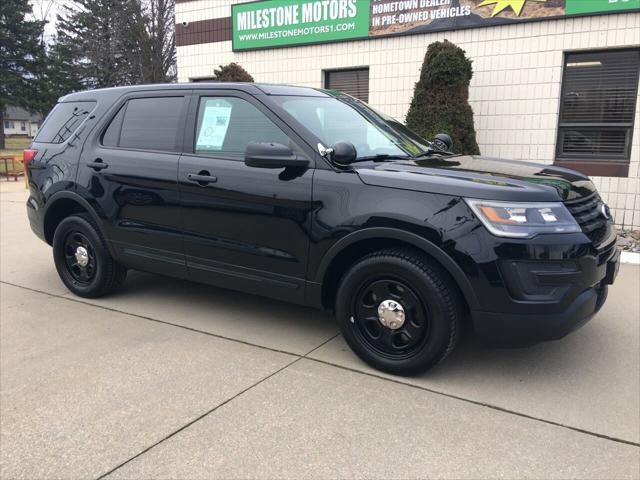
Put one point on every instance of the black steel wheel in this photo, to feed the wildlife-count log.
(404, 325)
(83, 260)
(399, 311)
(79, 257)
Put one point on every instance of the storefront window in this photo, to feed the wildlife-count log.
(597, 111)
(354, 82)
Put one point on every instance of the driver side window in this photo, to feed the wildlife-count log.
(226, 125)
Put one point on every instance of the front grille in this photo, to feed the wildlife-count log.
(587, 212)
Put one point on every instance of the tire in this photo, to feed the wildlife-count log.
(101, 275)
(404, 340)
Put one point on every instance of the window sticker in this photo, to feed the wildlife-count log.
(213, 129)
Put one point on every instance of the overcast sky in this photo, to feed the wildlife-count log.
(47, 10)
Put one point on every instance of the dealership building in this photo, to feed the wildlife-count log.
(555, 81)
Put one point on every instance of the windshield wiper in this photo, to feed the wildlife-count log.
(380, 157)
(430, 152)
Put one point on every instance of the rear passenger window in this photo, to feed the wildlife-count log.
(226, 125)
(64, 120)
(148, 124)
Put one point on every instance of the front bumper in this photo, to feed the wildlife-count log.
(553, 302)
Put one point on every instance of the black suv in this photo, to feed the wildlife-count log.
(310, 196)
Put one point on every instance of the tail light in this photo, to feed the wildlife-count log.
(28, 155)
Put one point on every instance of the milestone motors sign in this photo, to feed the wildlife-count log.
(296, 14)
(285, 22)
(278, 23)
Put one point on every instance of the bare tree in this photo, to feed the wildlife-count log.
(154, 34)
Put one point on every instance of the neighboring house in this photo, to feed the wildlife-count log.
(18, 121)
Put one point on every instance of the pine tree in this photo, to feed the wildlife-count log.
(441, 98)
(104, 43)
(60, 76)
(21, 57)
(232, 73)
(94, 39)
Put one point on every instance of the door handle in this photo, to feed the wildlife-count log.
(98, 164)
(202, 178)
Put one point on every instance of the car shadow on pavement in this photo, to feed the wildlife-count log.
(180, 301)
(244, 317)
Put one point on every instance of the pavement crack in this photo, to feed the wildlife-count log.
(342, 367)
(481, 404)
(197, 419)
(306, 355)
(66, 296)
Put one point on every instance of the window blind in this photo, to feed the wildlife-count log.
(598, 105)
(352, 82)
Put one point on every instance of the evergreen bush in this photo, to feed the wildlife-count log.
(232, 73)
(441, 98)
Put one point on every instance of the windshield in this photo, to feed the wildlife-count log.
(345, 119)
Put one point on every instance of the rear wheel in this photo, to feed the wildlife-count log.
(83, 260)
(398, 311)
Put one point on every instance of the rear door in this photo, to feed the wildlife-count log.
(130, 168)
(247, 228)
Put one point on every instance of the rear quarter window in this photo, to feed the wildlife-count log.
(63, 121)
(111, 136)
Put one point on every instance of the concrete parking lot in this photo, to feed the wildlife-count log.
(169, 379)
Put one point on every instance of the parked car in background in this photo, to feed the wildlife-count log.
(312, 197)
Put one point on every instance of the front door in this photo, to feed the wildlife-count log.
(245, 228)
(130, 169)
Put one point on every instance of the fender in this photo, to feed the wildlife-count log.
(411, 238)
(72, 195)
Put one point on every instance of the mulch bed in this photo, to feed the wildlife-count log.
(629, 240)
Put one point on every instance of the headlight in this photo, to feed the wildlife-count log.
(523, 220)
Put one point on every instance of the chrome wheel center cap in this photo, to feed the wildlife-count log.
(391, 314)
(82, 256)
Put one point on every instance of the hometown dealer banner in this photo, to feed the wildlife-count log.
(277, 23)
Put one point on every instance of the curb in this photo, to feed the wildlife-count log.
(630, 258)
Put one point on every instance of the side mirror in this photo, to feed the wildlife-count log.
(442, 142)
(272, 155)
(343, 153)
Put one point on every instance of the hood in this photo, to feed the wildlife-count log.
(480, 177)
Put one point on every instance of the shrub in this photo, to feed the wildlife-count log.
(232, 73)
(441, 98)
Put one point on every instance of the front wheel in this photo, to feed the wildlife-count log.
(399, 311)
(82, 259)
